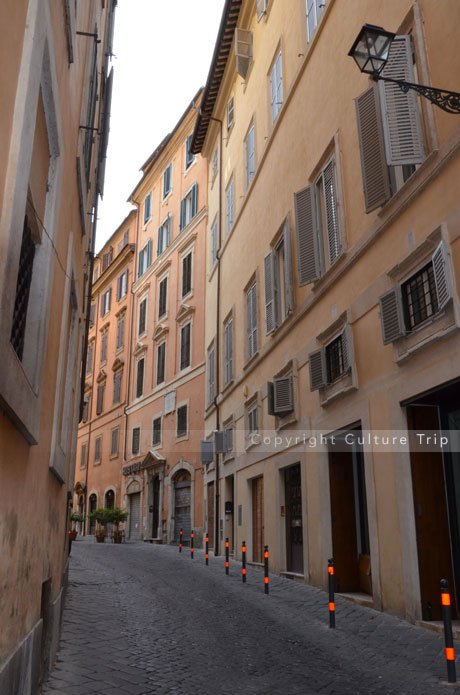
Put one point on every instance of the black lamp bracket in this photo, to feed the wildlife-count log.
(447, 101)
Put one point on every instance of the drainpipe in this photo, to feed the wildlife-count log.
(130, 338)
(216, 398)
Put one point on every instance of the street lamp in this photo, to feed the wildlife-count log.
(370, 52)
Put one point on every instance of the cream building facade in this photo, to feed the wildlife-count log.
(332, 308)
(56, 87)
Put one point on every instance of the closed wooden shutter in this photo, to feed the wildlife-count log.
(401, 119)
(317, 361)
(120, 332)
(376, 182)
(161, 353)
(228, 346)
(258, 519)
(92, 315)
(330, 205)
(307, 236)
(163, 295)
(391, 315)
(135, 516)
(283, 395)
(142, 316)
(140, 378)
(185, 346)
(117, 387)
(136, 440)
(186, 274)
(270, 312)
(100, 398)
(104, 139)
(347, 349)
(289, 289)
(114, 443)
(442, 275)
(194, 200)
(182, 504)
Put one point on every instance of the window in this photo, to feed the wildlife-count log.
(243, 51)
(100, 398)
(317, 226)
(97, 449)
(279, 298)
(124, 242)
(95, 273)
(167, 180)
(186, 274)
(389, 128)
(107, 259)
(156, 431)
(163, 297)
(181, 430)
(213, 244)
(92, 315)
(161, 359)
(90, 114)
(214, 165)
(423, 295)
(230, 117)
(140, 377)
(228, 351)
(86, 407)
(281, 394)
(252, 419)
(276, 87)
(136, 441)
(331, 362)
(314, 10)
(89, 358)
(83, 455)
(117, 387)
(252, 320)
(188, 206)
(142, 317)
(250, 155)
(229, 205)
(229, 437)
(145, 258)
(148, 208)
(114, 442)
(211, 375)
(189, 157)
(120, 332)
(122, 285)
(104, 339)
(185, 346)
(164, 236)
(106, 299)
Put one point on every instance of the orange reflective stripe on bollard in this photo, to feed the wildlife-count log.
(445, 599)
(450, 654)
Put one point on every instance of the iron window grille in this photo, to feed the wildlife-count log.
(136, 440)
(24, 281)
(335, 364)
(420, 301)
(181, 421)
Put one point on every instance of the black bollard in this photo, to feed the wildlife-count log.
(192, 536)
(330, 570)
(266, 568)
(243, 559)
(447, 618)
(207, 550)
(180, 541)
(227, 551)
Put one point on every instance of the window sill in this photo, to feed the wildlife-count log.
(251, 360)
(166, 197)
(182, 438)
(440, 326)
(339, 387)
(212, 271)
(112, 457)
(96, 463)
(250, 444)
(156, 446)
(228, 386)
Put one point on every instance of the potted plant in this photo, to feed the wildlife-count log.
(102, 518)
(75, 517)
(117, 517)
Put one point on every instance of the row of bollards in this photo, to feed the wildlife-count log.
(445, 595)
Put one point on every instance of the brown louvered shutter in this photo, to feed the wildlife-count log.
(374, 169)
(391, 315)
(270, 310)
(100, 399)
(347, 349)
(92, 315)
(401, 119)
(307, 235)
(161, 354)
(330, 205)
(140, 378)
(283, 395)
(288, 288)
(317, 363)
(441, 275)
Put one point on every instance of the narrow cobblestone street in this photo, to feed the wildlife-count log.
(143, 619)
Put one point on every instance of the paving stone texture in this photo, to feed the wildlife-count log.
(145, 619)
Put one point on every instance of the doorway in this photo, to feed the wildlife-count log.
(155, 506)
(182, 506)
(349, 520)
(436, 490)
(258, 519)
(135, 516)
(293, 511)
(92, 507)
(210, 514)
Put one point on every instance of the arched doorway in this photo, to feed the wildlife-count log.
(91, 507)
(182, 504)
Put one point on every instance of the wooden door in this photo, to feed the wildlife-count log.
(258, 519)
(211, 515)
(431, 520)
(343, 518)
(156, 507)
(182, 503)
(294, 530)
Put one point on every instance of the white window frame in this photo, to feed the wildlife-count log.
(192, 157)
(167, 192)
(276, 86)
(230, 113)
(230, 209)
(213, 243)
(315, 9)
(148, 207)
(165, 228)
(250, 152)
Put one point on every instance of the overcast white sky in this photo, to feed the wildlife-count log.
(163, 52)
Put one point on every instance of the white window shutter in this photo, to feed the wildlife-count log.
(288, 289)
(317, 362)
(270, 311)
(330, 204)
(283, 395)
(391, 315)
(243, 51)
(307, 236)
(400, 115)
(442, 276)
(376, 182)
(261, 8)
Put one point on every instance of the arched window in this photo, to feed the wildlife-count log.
(110, 499)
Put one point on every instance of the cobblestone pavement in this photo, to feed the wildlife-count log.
(144, 619)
